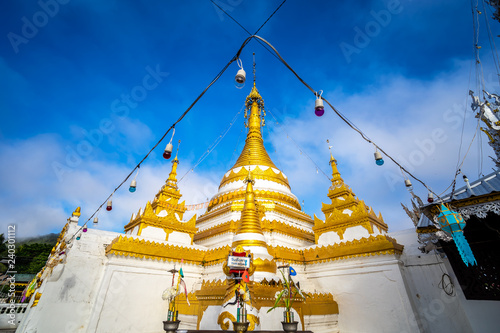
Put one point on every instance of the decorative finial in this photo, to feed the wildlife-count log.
(77, 212)
(177, 152)
(254, 75)
(330, 149)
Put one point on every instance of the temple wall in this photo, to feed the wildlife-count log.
(435, 310)
(95, 293)
(68, 294)
(370, 292)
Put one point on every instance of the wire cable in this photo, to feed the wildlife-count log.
(213, 145)
(297, 145)
(248, 32)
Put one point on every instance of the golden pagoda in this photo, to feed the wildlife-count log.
(282, 218)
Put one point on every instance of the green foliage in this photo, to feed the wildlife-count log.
(30, 258)
(287, 296)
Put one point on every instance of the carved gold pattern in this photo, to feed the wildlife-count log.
(138, 248)
(260, 172)
(261, 195)
(286, 229)
(225, 319)
(250, 242)
(373, 245)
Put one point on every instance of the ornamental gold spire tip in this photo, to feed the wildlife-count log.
(336, 178)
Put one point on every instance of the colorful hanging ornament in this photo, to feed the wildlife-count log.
(319, 109)
(240, 78)
(84, 228)
(133, 185)
(430, 197)
(96, 220)
(453, 223)
(378, 157)
(109, 206)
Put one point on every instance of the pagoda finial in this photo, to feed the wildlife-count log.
(336, 178)
(172, 177)
(254, 76)
(77, 212)
(177, 152)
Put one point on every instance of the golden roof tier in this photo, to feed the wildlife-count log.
(162, 219)
(347, 217)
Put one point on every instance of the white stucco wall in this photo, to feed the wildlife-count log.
(370, 292)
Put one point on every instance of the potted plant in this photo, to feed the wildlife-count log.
(170, 294)
(286, 298)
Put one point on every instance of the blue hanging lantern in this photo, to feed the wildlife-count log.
(453, 223)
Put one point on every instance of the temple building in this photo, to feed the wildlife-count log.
(358, 277)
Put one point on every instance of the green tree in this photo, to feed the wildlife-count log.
(30, 258)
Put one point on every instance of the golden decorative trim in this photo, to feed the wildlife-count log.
(258, 173)
(249, 242)
(136, 248)
(168, 223)
(220, 229)
(265, 265)
(373, 245)
(286, 229)
(286, 254)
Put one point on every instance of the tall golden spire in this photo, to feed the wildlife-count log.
(254, 152)
(249, 222)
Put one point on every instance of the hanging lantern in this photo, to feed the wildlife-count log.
(96, 220)
(78, 237)
(240, 78)
(453, 223)
(109, 205)
(84, 228)
(408, 184)
(430, 197)
(378, 158)
(168, 151)
(319, 109)
(133, 185)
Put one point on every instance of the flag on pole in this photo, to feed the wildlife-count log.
(292, 271)
(245, 277)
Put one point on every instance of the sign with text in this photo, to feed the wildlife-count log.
(238, 262)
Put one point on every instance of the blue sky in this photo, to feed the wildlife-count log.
(70, 134)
